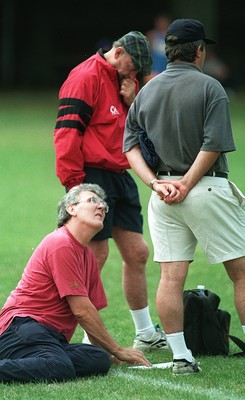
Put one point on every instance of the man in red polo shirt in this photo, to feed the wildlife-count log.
(59, 289)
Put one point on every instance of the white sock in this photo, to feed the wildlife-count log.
(177, 343)
(143, 323)
(85, 338)
(243, 328)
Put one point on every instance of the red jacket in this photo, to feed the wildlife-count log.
(90, 123)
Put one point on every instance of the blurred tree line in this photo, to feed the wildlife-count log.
(42, 41)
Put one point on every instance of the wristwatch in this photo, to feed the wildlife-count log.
(152, 183)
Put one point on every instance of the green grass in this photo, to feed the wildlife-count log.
(30, 192)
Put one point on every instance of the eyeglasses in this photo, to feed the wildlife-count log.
(95, 200)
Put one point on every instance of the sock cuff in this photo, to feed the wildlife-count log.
(175, 334)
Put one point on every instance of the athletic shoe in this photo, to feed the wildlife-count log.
(156, 342)
(184, 367)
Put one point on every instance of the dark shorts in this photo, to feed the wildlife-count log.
(122, 198)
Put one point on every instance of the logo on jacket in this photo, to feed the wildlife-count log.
(114, 110)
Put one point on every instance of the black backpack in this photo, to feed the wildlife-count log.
(206, 327)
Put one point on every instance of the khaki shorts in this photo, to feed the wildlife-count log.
(210, 215)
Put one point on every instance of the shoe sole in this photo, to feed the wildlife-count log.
(185, 372)
(148, 348)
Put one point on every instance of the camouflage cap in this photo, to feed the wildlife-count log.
(138, 47)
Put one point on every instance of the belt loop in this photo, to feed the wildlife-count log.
(213, 173)
(169, 173)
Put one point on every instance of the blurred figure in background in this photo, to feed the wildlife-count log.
(156, 37)
(103, 43)
(218, 69)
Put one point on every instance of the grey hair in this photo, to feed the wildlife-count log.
(118, 43)
(73, 197)
(184, 51)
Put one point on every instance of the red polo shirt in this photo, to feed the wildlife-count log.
(60, 266)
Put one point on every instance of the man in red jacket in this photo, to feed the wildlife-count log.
(94, 102)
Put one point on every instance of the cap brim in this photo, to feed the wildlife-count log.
(210, 41)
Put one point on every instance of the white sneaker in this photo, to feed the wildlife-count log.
(156, 342)
(184, 367)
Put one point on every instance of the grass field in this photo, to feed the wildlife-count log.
(30, 191)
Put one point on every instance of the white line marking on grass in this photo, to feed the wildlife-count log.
(214, 394)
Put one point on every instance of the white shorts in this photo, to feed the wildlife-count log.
(211, 214)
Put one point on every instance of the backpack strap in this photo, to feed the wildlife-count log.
(239, 344)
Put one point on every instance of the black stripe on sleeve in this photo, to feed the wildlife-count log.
(68, 123)
(70, 105)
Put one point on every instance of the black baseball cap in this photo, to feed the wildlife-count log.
(187, 30)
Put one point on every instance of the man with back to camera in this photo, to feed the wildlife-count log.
(94, 102)
(186, 115)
